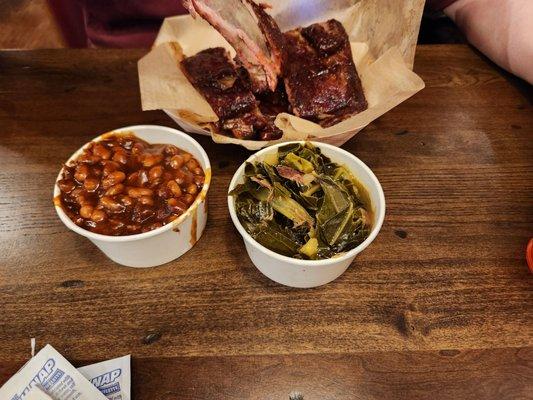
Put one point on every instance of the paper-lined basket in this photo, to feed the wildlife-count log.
(383, 36)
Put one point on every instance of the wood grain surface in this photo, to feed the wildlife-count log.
(439, 306)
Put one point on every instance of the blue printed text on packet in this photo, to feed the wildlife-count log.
(52, 374)
(111, 377)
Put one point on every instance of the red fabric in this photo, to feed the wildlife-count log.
(126, 23)
(439, 5)
(114, 23)
(69, 17)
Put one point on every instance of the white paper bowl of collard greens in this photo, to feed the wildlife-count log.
(305, 210)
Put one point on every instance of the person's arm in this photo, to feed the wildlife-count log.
(501, 29)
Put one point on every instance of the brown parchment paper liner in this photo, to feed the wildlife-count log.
(383, 37)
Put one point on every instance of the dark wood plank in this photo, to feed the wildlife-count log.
(447, 374)
(447, 271)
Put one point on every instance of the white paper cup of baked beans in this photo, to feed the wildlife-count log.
(302, 273)
(172, 234)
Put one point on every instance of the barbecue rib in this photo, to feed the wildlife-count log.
(320, 81)
(320, 77)
(226, 90)
(253, 34)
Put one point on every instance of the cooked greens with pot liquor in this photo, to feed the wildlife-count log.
(299, 203)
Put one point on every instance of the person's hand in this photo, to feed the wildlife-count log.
(501, 29)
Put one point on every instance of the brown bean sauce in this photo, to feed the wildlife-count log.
(123, 185)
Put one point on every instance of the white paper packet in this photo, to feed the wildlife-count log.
(37, 394)
(53, 374)
(111, 377)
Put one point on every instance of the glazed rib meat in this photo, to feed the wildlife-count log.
(214, 75)
(307, 71)
(253, 34)
(321, 80)
(227, 91)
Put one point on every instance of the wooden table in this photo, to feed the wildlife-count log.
(439, 306)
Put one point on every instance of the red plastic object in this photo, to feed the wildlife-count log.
(529, 255)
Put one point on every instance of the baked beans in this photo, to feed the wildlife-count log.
(123, 185)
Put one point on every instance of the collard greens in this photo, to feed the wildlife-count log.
(301, 204)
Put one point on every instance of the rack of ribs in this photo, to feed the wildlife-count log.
(320, 77)
(307, 71)
(253, 34)
(227, 91)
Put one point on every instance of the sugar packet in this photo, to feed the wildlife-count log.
(111, 377)
(54, 375)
